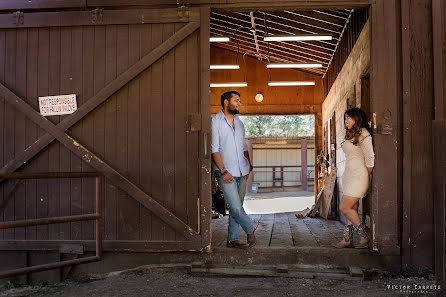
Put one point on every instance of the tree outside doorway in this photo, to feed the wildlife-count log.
(278, 126)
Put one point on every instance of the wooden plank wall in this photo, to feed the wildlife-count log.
(439, 142)
(439, 130)
(276, 100)
(418, 109)
(386, 103)
(140, 130)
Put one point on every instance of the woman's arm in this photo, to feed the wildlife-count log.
(369, 155)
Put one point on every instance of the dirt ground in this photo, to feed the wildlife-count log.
(141, 283)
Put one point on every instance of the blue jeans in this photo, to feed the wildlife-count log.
(234, 193)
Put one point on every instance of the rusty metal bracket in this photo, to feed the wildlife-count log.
(385, 129)
(183, 11)
(193, 122)
(18, 18)
(96, 16)
(55, 220)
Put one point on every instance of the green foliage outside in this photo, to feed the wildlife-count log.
(7, 283)
(278, 126)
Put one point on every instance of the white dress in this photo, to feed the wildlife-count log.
(355, 179)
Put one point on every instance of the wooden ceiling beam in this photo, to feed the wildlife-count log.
(275, 59)
(291, 29)
(288, 46)
(214, 4)
(312, 26)
(253, 30)
(332, 14)
(277, 48)
(313, 18)
(278, 32)
(237, 23)
(244, 48)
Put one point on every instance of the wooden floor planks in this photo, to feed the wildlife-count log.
(283, 230)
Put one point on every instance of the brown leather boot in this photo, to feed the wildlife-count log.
(251, 239)
(235, 244)
(347, 240)
(364, 237)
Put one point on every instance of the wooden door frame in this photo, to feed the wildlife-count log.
(220, 5)
(385, 100)
(384, 27)
(205, 139)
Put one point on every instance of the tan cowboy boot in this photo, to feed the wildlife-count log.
(364, 237)
(347, 240)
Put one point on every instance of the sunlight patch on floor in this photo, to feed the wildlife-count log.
(270, 203)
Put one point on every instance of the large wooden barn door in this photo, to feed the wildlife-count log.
(141, 78)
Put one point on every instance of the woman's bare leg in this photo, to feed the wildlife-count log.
(355, 207)
(348, 208)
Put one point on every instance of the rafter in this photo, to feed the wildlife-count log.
(289, 47)
(237, 21)
(276, 48)
(249, 28)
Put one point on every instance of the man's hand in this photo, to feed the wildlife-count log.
(250, 169)
(227, 178)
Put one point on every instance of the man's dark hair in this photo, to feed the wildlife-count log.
(228, 96)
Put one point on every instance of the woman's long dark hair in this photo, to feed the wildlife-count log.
(360, 122)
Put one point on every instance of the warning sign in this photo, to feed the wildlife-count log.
(57, 105)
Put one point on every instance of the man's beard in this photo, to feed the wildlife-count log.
(234, 111)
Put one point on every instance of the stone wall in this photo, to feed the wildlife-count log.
(346, 91)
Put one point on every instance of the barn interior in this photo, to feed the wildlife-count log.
(291, 77)
(140, 71)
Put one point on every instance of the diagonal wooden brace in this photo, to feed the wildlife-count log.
(101, 96)
(102, 167)
(58, 132)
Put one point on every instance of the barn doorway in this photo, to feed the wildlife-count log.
(270, 89)
(282, 152)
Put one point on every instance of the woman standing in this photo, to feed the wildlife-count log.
(360, 160)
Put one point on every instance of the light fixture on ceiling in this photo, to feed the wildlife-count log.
(225, 66)
(219, 39)
(291, 65)
(290, 83)
(259, 97)
(229, 85)
(297, 37)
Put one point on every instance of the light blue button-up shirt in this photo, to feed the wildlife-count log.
(230, 143)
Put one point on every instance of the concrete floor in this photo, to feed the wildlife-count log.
(278, 202)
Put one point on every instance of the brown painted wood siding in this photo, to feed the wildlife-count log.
(277, 100)
(140, 131)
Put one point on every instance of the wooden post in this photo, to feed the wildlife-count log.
(439, 141)
(439, 130)
(418, 107)
(303, 151)
(385, 91)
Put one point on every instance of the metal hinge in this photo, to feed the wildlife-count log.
(385, 129)
(18, 18)
(96, 15)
